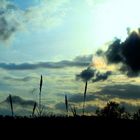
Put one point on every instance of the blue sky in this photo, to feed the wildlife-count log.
(56, 30)
(25, 4)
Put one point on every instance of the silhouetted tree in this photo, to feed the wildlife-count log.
(113, 110)
(136, 115)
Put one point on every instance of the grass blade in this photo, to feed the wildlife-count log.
(85, 92)
(66, 104)
(40, 88)
(11, 104)
(34, 108)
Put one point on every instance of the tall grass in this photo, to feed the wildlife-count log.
(40, 90)
(34, 108)
(66, 104)
(85, 93)
(11, 105)
(73, 110)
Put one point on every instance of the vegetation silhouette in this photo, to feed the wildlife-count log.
(39, 102)
(136, 115)
(113, 111)
(66, 104)
(85, 75)
(11, 105)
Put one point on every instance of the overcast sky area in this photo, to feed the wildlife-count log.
(36, 36)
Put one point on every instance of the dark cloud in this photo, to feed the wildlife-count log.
(60, 106)
(8, 23)
(92, 108)
(78, 98)
(131, 52)
(107, 93)
(99, 52)
(129, 107)
(101, 76)
(93, 74)
(55, 65)
(126, 53)
(113, 53)
(127, 91)
(21, 106)
(86, 74)
(19, 101)
(89, 109)
(6, 29)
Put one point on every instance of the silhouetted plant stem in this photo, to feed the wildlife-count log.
(73, 110)
(66, 104)
(41, 81)
(11, 104)
(34, 108)
(85, 92)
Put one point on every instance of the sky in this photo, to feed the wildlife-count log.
(36, 36)
(57, 30)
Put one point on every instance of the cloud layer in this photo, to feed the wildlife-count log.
(80, 61)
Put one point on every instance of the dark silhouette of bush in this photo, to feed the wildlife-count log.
(113, 111)
(136, 115)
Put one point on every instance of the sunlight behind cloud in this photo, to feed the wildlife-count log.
(111, 18)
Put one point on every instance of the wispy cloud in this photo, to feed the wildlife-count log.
(47, 14)
(9, 20)
(80, 61)
(24, 79)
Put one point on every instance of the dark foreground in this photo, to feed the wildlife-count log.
(71, 125)
(69, 128)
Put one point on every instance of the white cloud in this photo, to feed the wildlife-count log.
(46, 15)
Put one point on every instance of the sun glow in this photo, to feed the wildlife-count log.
(112, 19)
(100, 63)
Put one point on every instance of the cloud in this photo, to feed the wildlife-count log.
(89, 108)
(19, 101)
(80, 62)
(24, 79)
(110, 92)
(126, 54)
(8, 20)
(113, 53)
(86, 74)
(60, 106)
(93, 74)
(45, 14)
(84, 58)
(127, 91)
(126, 95)
(101, 76)
(21, 106)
